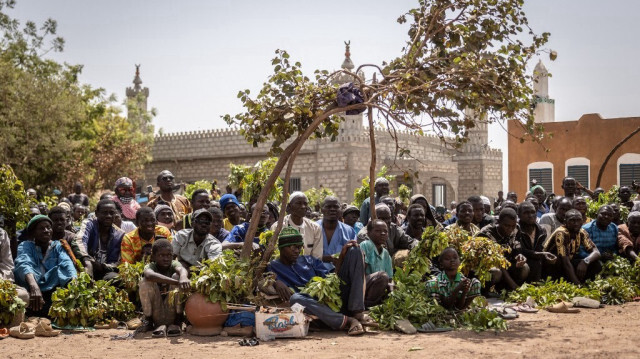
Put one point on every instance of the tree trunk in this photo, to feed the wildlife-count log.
(606, 160)
(372, 166)
(284, 157)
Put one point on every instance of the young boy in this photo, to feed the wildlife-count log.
(378, 265)
(452, 290)
(160, 276)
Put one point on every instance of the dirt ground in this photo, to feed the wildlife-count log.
(593, 333)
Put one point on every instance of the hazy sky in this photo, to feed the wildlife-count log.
(196, 55)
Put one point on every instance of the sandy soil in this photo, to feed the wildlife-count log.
(593, 333)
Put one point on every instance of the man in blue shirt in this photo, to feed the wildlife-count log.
(103, 240)
(293, 271)
(603, 233)
(235, 238)
(335, 234)
(381, 188)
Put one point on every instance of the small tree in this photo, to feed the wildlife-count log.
(460, 54)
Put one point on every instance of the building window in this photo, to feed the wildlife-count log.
(629, 173)
(439, 195)
(580, 173)
(294, 184)
(628, 168)
(544, 177)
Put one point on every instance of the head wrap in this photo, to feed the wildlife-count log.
(289, 236)
(485, 201)
(65, 205)
(35, 220)
(124, 181)
(297, 194)
(227, 199)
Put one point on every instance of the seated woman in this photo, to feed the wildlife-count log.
(42, 265)
(453, 290)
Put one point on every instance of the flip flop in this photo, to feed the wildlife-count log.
(4, 332)
(174, 331)
(102, 326)
(159, 332)
(23, 331)
(429, 327)
(562, 307)
(43, 329)
(356, 330)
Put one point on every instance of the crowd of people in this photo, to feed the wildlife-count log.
(548, 236)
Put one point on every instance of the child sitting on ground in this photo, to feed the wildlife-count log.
(160, 276)
(453, 290)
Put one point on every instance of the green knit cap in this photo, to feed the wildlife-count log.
(35, 220)
(289, 236)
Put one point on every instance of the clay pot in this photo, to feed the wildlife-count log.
(206, 318)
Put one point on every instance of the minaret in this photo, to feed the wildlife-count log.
(545, 106)
(352, 123)
(478, 135)
(138, 93)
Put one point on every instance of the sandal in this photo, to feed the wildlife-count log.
(507, 313)
(159, 332)
(525, 308)
(429, 327)
(43, 329)
(585, 302)
(357, 329)
(405, 326)
(134, 323)
(248, 342)
(23, 331)
(4, 332)
(174, 331)
(367, 321)
(562, 307)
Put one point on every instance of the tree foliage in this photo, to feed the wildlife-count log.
(56, 130)
(250, 180)
(317, 196)
(460, 54)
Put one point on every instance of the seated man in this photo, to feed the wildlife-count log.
(293, 271)
(453, 290)
(59, 219)
(148, 229)
(350, 216)
(531, 237)
(416, 221)
(624, 194)
(200, 198)
(309, 229)
(102, 240)
(399, 243)
(480, 217)
(6, 273)
(603, 234)
(504, 233)
(193, 245)
(160, 276)
(554, 220)
(235, 238)
(165, 217)
(217, 229)
(230, 206)
(42, 265)
(565, 243)
(378, 268)
(335, 234)
(629, 236)
(464, 212)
